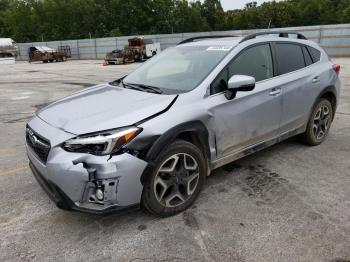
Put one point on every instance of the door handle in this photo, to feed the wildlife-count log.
(275, 91)
(316, 80)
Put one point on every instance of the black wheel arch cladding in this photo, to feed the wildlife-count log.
(155, 144)
(172, 134)
(327, 90)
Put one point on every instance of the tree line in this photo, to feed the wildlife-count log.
(37, 20)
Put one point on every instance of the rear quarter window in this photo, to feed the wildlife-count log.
(289, 57)
(315, 54)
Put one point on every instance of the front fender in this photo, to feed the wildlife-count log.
(169, 137)
(151, 147)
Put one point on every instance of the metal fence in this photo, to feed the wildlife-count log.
(335, 39)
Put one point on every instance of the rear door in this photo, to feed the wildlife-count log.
(251, 117)
(299, 84)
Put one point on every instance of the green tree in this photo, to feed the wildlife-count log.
(34, 20)
(214, 14)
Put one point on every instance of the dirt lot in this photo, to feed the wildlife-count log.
(287, 203)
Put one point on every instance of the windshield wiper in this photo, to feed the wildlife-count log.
(155, 89)
(142, 87)
(129, 86)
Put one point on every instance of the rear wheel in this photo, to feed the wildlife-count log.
(319, 123)
(176, 180)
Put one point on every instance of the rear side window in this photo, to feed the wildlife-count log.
(315, 54)
(289, 58)
(307, 56)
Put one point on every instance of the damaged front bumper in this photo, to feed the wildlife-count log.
(84, 182)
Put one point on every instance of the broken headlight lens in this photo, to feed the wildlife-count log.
(102, 143)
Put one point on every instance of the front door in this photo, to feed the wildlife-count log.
(252, 117)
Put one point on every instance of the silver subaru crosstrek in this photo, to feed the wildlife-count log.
(152, 137)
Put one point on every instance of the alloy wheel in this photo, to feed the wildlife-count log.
(321, 123)
(176, 180)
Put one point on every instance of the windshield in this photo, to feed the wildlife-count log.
(180, 69)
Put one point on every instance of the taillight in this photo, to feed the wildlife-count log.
(336, 68)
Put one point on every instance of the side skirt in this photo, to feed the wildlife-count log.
(256, 147)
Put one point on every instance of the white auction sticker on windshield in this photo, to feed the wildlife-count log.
(219, 48)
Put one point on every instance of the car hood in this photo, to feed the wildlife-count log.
(103, 107)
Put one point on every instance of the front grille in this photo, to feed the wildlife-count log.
(39, 145)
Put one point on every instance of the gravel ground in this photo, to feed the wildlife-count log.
(287, 203)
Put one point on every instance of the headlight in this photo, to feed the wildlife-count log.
(102, 143)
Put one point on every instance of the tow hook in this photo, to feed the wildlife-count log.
(101, 191)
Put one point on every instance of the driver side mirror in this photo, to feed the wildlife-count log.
(239, 83)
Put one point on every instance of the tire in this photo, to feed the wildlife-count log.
(319, 123)
(167, 192)
(143, 58)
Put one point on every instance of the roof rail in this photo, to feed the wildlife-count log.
(193, 39)
(279, 33)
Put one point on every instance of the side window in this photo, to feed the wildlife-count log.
(307, 56)
(315, 54)
(289, 58)
(255, 61)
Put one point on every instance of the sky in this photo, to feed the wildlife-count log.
(238, 4)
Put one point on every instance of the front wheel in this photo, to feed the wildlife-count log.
(176, 180)
(319, 123)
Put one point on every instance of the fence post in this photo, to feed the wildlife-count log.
(320, 35)
(95, 49)
(18, 54)
(78, 51)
